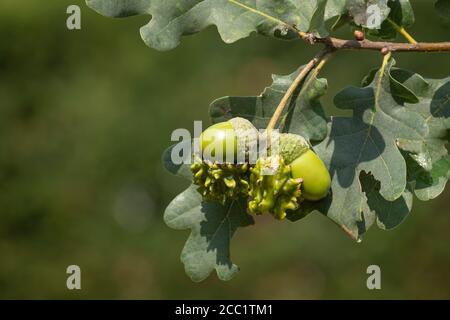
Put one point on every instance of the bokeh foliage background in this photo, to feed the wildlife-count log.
(84, 118)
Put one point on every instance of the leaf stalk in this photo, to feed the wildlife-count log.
(317, 62)
(402, 31)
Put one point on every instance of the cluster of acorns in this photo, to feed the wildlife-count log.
(277, 182)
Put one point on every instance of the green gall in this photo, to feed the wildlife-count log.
(272, 188)
(220, 182)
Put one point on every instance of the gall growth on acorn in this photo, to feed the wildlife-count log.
(278, 182)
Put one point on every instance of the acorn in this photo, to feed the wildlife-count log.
(228, 141)
(281, 181)
(305, 164)
(221, 171)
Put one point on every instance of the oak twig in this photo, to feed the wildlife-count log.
(321, 56)
(338, 44)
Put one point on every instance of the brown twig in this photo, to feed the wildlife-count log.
(338, 44)
(301, 76)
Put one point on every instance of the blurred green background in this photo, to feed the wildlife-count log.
(84, 118)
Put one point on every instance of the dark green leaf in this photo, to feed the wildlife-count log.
(367, 143)
(429, 172)
(388, 214)
(304, 115)
(317, 24)
(401, 14)
(443, 9)
(183, 169)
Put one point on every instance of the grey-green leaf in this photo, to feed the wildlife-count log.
(429, 179)
(212, 227)
(369, 14)
(367, 143)
(388, 214)
(172, 19)
(429, 184)
(182, 167)
(304, 115)
(379, 121)
(401, 13)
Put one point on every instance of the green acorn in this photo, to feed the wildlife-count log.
(236, 137)
(292, 173)
(305, 164)
(219, 180)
